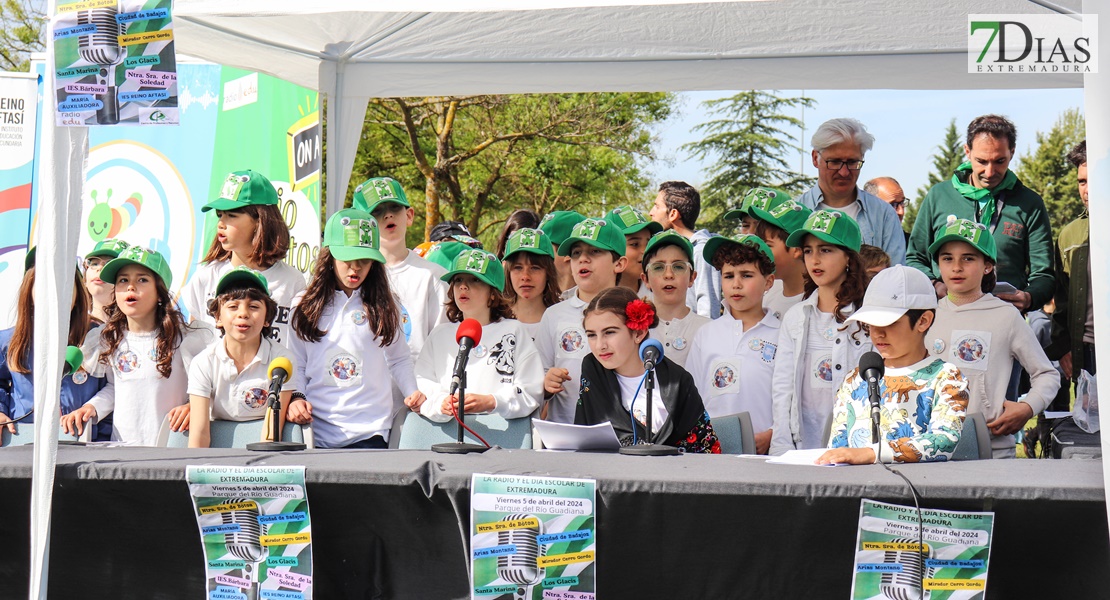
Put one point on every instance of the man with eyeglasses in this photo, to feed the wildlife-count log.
(839, 146)
(890, 191)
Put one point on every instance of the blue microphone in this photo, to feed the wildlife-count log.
(651, 352)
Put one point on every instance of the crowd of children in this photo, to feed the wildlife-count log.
(564, 309)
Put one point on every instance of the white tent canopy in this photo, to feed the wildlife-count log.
(352, 51)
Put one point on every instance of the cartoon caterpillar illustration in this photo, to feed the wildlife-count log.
(106, 222)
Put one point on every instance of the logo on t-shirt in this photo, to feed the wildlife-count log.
(822, 370)
(80, 376)
(971, 348)
(503, 356)
(127, 362)
(679, 343)
(480, 351)
(358, 318)
(723, 377)
(254, 398)
(570, 340)
(406, 323)
(765, 349)
(344, 367)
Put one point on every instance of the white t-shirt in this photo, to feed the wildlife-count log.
(776, 303)
(852, 209)
(658, 407)
(344, 375)
(422, 295)
(284, 281)
(677, 335)
(561, 343)
(235, 395)
(732, 368)
(504, 363)
(817, 392)
(136, 393)
(533, 329)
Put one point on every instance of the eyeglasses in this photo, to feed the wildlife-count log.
(897, 205)
(836, 165)
(95, 261)
(678, 268)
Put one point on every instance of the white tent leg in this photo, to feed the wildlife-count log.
(342, 140)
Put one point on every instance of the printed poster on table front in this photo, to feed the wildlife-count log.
(256, 531)
(114, 63)
(532, 538)
(952, 565)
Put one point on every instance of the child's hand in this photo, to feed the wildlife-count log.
(475, 404)
(74, 422)
(415, 400)
(179, 418)
(851, 456)
(300, 412)
(10, 426)
(763, 442)
(553, 381)
(1014, 416)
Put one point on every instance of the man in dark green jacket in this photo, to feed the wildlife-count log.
(986, 191)
(1073, 323)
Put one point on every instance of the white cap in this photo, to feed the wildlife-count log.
(892, 292)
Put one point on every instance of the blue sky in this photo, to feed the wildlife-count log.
(907, 125)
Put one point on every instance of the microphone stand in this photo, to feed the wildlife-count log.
(459, 446)
(274, 412)
(649, 448)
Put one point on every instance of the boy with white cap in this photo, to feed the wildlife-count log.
(924, 399)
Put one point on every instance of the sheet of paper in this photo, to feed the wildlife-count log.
(1056, 414)
(802, 457)
(563, 436)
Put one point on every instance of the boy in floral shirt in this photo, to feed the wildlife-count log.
(924, 398)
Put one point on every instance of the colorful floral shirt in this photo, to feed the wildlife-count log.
(921, 416)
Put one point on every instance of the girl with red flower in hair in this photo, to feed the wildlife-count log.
(616, 322)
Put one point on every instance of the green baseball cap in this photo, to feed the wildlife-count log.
(783, 213)
(669, 237)
(832, 226)
(110, 248)
(466, 239)
(763, 197)
(240, 277)
(242, 189)
(481, 264)
(598, 233)
(632, 220)
(376, 190)
(29, 259)
(444, 253)
(963, 230)
(533, 241)
(143, 257)
(747, 239)
(352, 234)
(558, 225)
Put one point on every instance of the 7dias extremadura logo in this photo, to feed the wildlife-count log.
(1032, 44)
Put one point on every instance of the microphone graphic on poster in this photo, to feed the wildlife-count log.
(906, 585)
(102, 48)
(246, 544)
(521, 567)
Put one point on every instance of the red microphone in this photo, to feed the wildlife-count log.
(468, 336)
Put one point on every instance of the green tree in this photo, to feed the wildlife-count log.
(475, 159)
(22, 26)
(949, 155)
(1047, 171)
(750, 143)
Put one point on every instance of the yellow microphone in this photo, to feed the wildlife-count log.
(280, 367)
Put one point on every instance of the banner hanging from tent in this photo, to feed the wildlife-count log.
(115, 63)
(18, 116)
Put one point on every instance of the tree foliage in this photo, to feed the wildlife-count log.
(22, 26)
(475, 159)
(750, 142)
(949, 155)
(1047, 171)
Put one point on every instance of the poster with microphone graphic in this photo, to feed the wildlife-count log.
(950, 563)
(256, 531)
(532, 538)
(115, 63)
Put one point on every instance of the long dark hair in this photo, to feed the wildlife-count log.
(551, 276)
(269, 244)
(171, 329)
(851, 289)
(381, 308)
(19, 349)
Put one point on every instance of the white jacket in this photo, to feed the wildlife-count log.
(847, 348)
(983, 338)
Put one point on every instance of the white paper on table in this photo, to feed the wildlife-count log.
(565, 436)
(802, 457)
(1056, 414)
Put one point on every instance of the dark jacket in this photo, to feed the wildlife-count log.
(1073, 250)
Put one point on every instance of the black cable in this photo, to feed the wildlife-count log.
(29, 413)
(920, 527)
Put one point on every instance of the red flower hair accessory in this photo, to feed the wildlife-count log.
(640, 315)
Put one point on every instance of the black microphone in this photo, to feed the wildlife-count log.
(871, 369)
(468, 336)
(651, 352)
